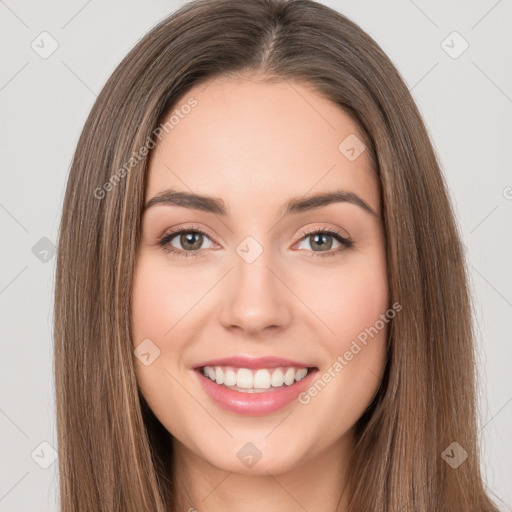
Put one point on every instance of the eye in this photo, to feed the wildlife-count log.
(320, 241)
(189, 240)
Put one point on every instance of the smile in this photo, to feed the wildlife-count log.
(247, 380)
(254, 387)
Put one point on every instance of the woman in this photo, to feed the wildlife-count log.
(261, 302)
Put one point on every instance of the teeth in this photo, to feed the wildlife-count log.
(219, 375)
(210, 372)
(244, 378)
(277, 379)
(301, 374)
(229, 377)
(250, 381)
(262, 379)
(289, 377)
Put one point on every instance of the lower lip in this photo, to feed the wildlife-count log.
(254, 404)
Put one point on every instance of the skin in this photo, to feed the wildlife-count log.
(256, 145)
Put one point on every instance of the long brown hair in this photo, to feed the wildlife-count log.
(113, 451)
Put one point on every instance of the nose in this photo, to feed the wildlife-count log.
(255, 299)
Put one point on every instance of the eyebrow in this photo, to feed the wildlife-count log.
(295, 205)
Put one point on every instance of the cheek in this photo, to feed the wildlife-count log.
(150, 308)
(357, 311)
(158, 305)
(351, 300)
(161, 298)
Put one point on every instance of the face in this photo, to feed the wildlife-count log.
(280, 299)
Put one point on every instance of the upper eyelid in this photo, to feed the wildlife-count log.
(192, 229)
(326, 229)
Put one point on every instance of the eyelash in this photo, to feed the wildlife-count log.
(165, 240)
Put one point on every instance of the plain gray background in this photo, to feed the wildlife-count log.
(465, 99)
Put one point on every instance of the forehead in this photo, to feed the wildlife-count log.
(248, 141)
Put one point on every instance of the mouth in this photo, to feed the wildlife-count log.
(254, 387)
(247, 380)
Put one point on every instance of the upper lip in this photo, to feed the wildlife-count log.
(253, 362)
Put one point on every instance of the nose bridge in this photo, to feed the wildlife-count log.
(256, 298)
